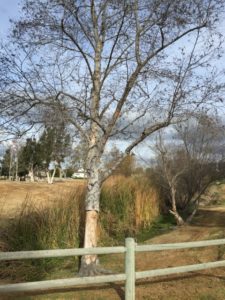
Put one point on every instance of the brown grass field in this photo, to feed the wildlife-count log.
(12, 194)
(209, 223)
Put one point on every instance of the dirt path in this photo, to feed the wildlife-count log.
(209, 223)
(203, 285)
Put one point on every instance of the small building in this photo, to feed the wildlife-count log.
(79, 174)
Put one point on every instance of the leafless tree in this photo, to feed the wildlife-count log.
(188, 164)
(169, 169)
(117, 68)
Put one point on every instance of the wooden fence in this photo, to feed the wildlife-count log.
(129, 276)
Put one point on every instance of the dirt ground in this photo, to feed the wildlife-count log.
(209, 223)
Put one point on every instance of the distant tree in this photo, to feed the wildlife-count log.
(139, 171)
(186, 167)
(112, 156)
(78, 158)
(6, 163)
(9, 163)
(61, 146)
(68, 172)
(54, 146)
(126, 166)
(126, 163)
(29, 158)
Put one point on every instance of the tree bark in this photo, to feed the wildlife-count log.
(173, 211)
(89, 262)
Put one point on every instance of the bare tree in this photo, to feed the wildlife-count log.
(119, 69)
(188, 164)
(170, 166)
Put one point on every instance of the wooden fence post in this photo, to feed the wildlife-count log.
(130, 269)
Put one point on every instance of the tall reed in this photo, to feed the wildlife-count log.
(128, 205)
(40, 227)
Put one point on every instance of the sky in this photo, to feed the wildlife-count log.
(8, 9)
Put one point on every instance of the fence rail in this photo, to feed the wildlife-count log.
(59, 253)
(176, 246)
(129, 276)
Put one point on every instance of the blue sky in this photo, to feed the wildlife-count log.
(11, 9)
(8, 9)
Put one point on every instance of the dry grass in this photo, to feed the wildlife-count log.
(128, 205)
(146, 204)
(12, 194)
(38, 227)
(56, 220)
(202, 285)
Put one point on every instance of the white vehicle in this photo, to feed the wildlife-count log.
(79, 174)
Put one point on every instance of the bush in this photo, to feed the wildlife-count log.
(38, 228)
(128, 205)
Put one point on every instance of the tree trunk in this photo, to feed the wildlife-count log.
(190, 218)
(48, 177)
(89, 263)
(16, 177)
(173, 211)
(53, 176)
(60, 173)
(178, 218)
(31, 174)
